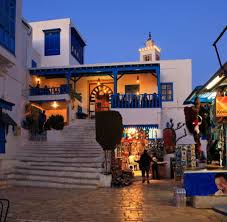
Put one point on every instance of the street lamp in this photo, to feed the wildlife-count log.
(216, 49)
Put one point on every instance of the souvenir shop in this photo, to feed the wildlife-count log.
(201, 180)
(134, 141)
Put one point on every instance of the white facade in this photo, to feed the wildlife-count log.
(65, 58)
(179, 73)
(30, 45)
(14, 80)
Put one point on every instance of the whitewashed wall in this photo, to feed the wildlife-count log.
(65, 58)
(14, 83)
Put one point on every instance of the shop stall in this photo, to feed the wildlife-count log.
(212, 179)
(135, 140)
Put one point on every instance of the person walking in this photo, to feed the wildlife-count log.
(42, 120)
(144, 164)
(155, 173)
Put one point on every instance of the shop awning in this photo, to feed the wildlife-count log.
(7, 120)
(207, 92)
(6, 105)
(217, 80)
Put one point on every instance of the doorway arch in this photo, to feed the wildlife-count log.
(97, 91)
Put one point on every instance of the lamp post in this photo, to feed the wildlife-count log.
(216, 49)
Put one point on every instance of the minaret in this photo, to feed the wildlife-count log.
(150, 52)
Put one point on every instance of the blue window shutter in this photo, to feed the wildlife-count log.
(7, 24)
(52, 42)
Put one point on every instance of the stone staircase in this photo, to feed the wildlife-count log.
(75, 161)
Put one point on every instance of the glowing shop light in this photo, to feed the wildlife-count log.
(215, 81)
(137, 79)
(37, 79)
(55, 104)
(137, 93)
(98, 82)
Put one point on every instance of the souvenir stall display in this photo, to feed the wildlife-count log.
(185, 159)
(134, 141)
(204, 182)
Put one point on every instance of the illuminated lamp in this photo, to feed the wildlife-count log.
(55, 105)
(98, 83)
(137, 79)
(37, 80)
(214, 82)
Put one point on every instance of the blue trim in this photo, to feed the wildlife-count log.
(115, 73)
(96, 71)
(2, 139)
(52, 42)
(159, 84)
(149, 126)
(52, 30)
(6, 105)
(34, 64)
(8, 25)
(167, 84)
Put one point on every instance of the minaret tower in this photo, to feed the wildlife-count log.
(150, 52)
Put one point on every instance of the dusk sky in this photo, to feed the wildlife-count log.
(115, 29)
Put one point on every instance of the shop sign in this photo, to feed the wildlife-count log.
(221, 106)
(205, 183)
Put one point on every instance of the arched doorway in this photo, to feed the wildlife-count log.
(100, 98)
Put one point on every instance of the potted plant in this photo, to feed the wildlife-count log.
(109, 129)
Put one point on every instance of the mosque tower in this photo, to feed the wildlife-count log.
(150, 52)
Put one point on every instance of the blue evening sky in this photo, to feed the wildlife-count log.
(115, 29)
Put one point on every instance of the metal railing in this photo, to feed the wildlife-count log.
(136, 101)
(49, 91)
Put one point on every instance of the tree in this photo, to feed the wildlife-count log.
(109, 130)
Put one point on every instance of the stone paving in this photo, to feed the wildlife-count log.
(139, 202)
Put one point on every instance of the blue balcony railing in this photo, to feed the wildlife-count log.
(136, 101)
(49, 91)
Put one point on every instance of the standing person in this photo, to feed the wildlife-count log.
(42, 120)
(155, 174)
(145, 163)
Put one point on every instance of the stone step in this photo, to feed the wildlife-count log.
(65, 143)
(37, 183)
(59, 168)
(59, 164)
(63, 146)
(64, 155)
(60, 159)
(56, 173)
(61, 151)
(55, 179)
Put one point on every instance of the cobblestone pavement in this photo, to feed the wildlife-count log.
(139, 202)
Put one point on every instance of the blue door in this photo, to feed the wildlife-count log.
(2, 140)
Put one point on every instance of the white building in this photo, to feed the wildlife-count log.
(171, 78)
(15, 58)
(44, 65)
